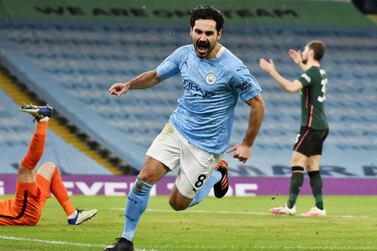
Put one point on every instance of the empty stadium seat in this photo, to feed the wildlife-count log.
(79, 64)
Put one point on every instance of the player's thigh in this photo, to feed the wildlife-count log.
(47, 170)
(25, 175)
(43, 186)
(196, 167)
(309, 141)
(298, 159)
(313, 163)
(27, 204)
(162, 156)
(303, 143)
(152, 171)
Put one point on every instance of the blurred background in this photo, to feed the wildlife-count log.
(68, 53)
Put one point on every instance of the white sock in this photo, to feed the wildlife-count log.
(44, 119)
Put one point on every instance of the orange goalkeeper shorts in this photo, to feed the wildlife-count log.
(26, 208)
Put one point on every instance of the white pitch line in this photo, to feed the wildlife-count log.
(64, 243)
(240, 213)
(212, 247)
(358, 248)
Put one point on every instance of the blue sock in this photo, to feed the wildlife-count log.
(212, 180)
(136, 204)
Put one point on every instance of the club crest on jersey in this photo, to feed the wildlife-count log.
(211, 78)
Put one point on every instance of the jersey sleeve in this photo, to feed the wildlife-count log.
(170, 66)
(245, 83)
(306, 78)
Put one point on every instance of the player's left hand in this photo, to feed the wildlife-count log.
(267, 66)
(241, 152)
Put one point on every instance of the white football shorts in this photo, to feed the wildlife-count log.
(172, 149)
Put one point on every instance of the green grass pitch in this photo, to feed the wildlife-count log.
(231, 223)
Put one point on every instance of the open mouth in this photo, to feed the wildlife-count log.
(202, 47)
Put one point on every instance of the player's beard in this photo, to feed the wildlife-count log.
(304, 60)
(203, 48)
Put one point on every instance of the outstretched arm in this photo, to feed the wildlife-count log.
(269, 67)
(243, 150)
(143, 81)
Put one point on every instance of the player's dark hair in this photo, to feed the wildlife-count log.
(318, 48)
(207, 12)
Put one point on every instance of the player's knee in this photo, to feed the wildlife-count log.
(147, 178)
(47, 170)
(176, 205)
(48, 166)
(312, 167)
(24, 170)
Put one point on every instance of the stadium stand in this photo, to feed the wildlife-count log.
(15, 131)
(71, 65)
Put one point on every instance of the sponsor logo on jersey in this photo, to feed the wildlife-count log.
(191, 89)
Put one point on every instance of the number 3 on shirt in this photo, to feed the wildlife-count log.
(323, 90)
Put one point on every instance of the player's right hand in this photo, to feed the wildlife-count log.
(118, 89)
(295, 55)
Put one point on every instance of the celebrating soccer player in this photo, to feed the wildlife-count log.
(33, 188)
(307, 149)
(198, 131)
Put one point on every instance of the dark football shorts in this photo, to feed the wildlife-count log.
(309, 141)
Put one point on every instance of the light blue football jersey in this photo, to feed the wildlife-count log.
(205, 112)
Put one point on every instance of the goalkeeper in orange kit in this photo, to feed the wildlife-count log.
(33, 187)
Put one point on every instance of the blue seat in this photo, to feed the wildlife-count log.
(72, 66)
